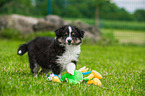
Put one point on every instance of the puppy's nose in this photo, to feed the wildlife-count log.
(69, 41)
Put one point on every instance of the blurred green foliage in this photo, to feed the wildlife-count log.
(70, 8)
(140, 15)
(12, 34)
(113, 24)
(107, 37)
(131, 25)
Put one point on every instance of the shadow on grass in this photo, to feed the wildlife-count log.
(27, 74)
(22, 74)
(139, 87)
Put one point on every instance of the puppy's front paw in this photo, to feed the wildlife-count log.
(71, 68)
(35, 75)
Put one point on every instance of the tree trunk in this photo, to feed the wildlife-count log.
(97, 17)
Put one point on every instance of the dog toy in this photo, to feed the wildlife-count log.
(76, 78)
(93, 78)
(72, 79)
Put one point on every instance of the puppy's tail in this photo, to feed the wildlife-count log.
(22, 49)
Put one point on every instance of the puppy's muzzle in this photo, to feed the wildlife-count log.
(69, 40)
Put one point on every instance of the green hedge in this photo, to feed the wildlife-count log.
(130, 25)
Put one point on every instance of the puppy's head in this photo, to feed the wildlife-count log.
(69, 35)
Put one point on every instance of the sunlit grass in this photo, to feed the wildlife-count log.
(123, 70)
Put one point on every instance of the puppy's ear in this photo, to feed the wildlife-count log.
(59, 30)
(81, 32)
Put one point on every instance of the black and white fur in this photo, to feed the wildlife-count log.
(56, 55)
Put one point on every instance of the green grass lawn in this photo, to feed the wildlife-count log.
(122, 68)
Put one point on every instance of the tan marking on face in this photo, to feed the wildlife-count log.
(72, 41)
(60, 40)
(78, 41)
(73, 33)
(66, 33)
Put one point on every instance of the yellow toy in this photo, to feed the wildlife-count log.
(95, 81)
(56, 79)
(94, 74)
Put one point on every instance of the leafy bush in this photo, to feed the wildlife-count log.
(9, 34)
(69, 8)
(15, 35)
(139, 15)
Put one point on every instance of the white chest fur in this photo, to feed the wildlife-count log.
(71, 53)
